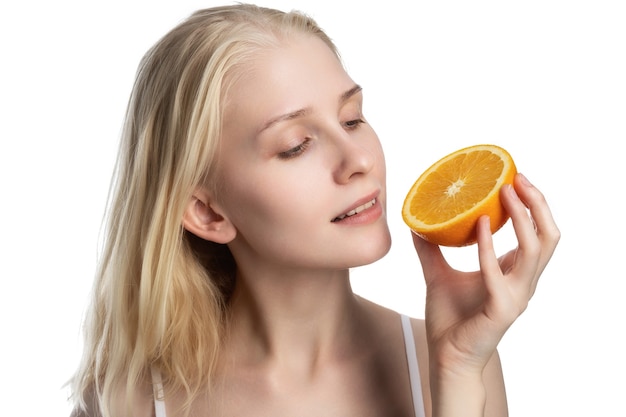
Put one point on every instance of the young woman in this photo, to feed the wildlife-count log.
(248, 184)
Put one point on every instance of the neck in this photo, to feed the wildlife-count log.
(294, 319)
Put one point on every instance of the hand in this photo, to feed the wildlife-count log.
(467, 313)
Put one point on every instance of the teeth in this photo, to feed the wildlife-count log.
(357, 210)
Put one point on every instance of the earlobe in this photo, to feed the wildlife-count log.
(203, 221)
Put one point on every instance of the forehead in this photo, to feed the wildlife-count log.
(300, 72)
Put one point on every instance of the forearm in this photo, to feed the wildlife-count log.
(459, 391)
(457, 395)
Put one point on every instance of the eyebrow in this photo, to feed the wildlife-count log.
(303, 112)
(354, 90)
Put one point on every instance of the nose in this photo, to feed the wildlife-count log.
(355, 157)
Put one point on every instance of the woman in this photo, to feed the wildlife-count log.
(248, 184)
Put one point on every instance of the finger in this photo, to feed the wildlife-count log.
(430, 256)
(523, 224)
(529, 248)
(546, 228)
(505, 303)
(487, 260)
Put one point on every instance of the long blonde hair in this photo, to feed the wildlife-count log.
(160, 295)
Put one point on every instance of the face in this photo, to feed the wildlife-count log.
(303, 172)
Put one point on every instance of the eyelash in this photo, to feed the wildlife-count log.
(298, 150)
(295, 151)
(354, 124)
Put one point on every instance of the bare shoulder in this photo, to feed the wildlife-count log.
(419, 329)
(389, 318)
(419, 335)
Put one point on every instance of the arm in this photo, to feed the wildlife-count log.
(487, 394)
(467, 313)
(492, 377)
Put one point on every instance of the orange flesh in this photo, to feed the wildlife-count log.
(470, 174)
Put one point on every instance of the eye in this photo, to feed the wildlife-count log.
(353, 124)
(295, 151)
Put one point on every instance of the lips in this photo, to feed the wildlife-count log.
(356, 210)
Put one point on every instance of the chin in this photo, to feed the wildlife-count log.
(374, 250)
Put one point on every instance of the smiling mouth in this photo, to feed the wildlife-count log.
(356, 210)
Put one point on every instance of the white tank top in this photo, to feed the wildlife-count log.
(411, 356)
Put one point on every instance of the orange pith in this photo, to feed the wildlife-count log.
(446, 201)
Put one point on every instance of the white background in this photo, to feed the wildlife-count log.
(544, 79)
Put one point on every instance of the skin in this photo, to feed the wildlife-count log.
(300, 342)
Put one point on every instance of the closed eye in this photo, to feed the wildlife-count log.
(295, 151)
(353, 124)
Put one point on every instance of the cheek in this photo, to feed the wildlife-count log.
(273, 200)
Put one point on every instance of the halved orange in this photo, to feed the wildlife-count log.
(447, 200)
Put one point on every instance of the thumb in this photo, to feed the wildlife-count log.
(430, 256)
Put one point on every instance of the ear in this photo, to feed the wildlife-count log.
(205, 221)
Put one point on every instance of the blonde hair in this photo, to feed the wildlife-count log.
(161, 294)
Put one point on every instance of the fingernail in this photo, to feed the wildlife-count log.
(511, 190)
(524, 180)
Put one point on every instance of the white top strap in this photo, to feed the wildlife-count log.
(414, 373)
(157, 389)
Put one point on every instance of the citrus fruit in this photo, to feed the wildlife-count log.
(447, 200)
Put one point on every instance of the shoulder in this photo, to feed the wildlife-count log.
(418, 329)
(390, 319)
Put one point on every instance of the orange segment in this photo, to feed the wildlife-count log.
(446, 201)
